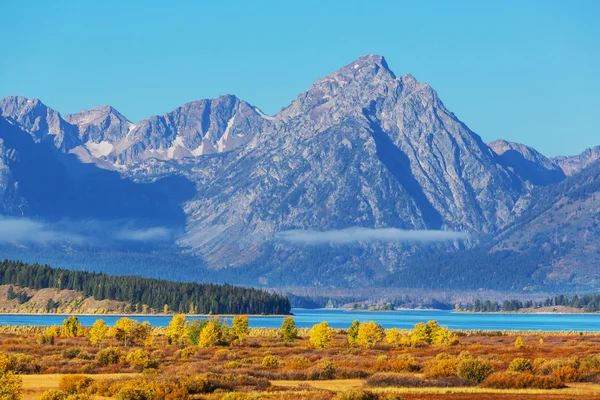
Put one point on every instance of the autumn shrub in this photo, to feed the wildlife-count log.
(49, 336)
(110, 355)
(232, 381)
(270, 361)
(567, 373)
(136, 389)
(592, 362)
(519, 344)
(356, 395)
(325, 370)
(138, 359)
(221, 354)
(10, 384)
(240, 396)
(526, 380)
(70, 353)
(520, 365)
(53, 394)
(20, 363)
(474, 369)
(73, 384)
(299, 362)
(85, 355)
(390, 379)
(328, 369)
(544, 366)
(186, 353)
(404, 363)
(135, 393)
(234, 364)
(198, 384)
(442, 365)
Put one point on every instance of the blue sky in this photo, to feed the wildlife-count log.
(526, 71)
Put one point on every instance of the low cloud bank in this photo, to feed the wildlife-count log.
(25, 230)
(20, 230)
(357, 234)
(145, 235)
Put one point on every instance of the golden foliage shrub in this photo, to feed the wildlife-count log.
(74, 384)
(474, 369)
(567, 373)
(270, 361)
(526, 380)
(520, 365)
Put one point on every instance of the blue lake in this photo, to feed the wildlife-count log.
(388, 319)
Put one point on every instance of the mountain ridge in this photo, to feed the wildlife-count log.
(361, 147)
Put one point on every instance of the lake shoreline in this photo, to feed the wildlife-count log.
(546, 310)
(341, 319)
(145, 315)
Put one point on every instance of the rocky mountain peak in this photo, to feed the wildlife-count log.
(42, 122)
(100, 124)
(571, 165)
(365, 66)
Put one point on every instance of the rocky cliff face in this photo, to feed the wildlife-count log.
(43, 123)
(528, 163)
(571, 165)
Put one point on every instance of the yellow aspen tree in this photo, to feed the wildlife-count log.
(320, 335)
(239, 328)
(99, 333)
(176, 330)
(369, 334)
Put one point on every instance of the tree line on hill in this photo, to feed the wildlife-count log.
(589, 303)
(158, 295)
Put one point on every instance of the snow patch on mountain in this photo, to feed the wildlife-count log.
(263, 115)
(101, 149)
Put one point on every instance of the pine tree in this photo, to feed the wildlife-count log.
(289, 333)
(353, 333)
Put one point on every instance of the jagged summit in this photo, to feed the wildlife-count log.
(100, 124)
(571, 165)
(369, 64)
(41, 122)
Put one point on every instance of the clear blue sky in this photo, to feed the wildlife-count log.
(525, 71)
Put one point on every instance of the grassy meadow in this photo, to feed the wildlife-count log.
(210, 360)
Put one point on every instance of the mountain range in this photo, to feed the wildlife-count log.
(365, 179)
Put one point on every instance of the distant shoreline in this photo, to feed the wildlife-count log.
(546, 310)
(143, 315)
